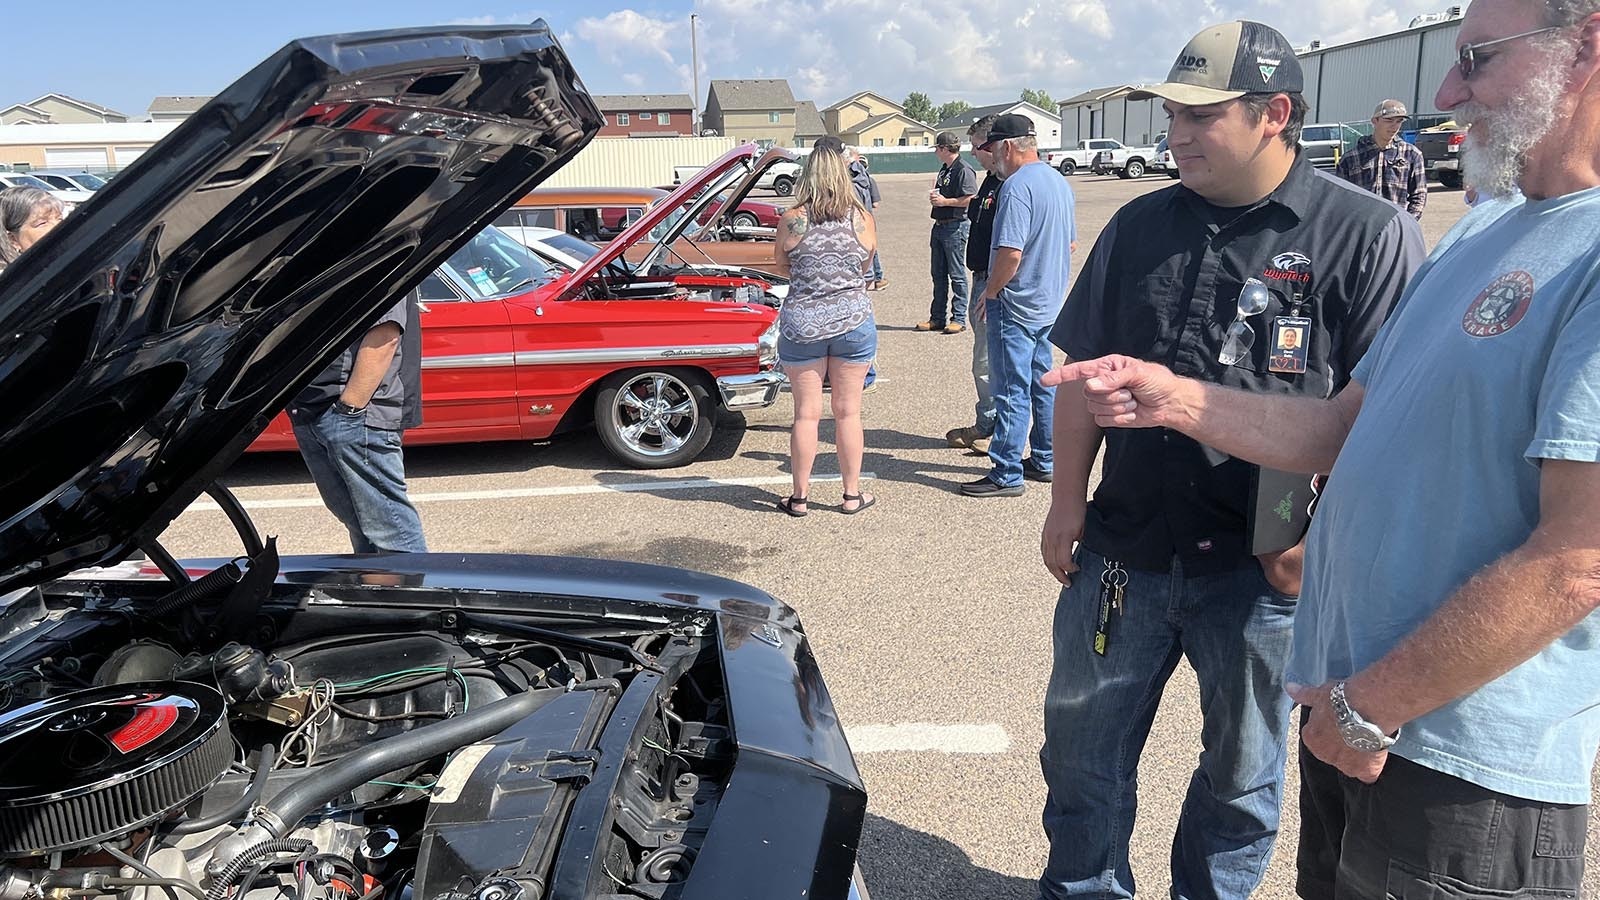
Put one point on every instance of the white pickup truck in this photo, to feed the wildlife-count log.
(1073, 159)
(778, 178)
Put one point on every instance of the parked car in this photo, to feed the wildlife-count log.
(568, 252)
(594, 214)
(748, 218)
(1071, 159)
(1441, 152)
(69, 198)
(780, 178)
(1323, 144)
(447, 725)
(643, 350)
(69, 181)
(1163, 160)
(1126, 162)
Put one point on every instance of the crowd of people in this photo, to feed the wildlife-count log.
(1338, 473)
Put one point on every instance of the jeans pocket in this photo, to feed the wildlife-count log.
(1562, 832)
(1406, 882)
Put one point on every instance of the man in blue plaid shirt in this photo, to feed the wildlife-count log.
(1386, 165)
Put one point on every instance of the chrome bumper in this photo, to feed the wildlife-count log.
(749, 391)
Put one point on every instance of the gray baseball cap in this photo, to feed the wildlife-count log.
(1225, 62)
(1391, 109)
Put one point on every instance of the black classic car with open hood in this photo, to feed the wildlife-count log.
(403, 727)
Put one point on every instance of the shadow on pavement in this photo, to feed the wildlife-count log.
(899, 863)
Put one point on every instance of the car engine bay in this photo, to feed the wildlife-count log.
(224, 740)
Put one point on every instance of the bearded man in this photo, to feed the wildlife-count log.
(1446, 649)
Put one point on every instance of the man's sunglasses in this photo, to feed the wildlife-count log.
(1467, 61)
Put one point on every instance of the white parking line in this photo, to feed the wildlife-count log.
(923, 737)
(687, 484)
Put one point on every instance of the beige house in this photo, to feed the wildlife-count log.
(176, 109)
(807, 124)
(93, 148)
(894, 129)
(59, 109)
(754, 109)
(844, 116)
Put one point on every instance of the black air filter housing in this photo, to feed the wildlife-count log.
(93, 765)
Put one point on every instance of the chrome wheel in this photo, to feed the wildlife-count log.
(655, 414)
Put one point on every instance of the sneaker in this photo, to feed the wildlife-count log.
(968, 437)
(929, 326)
(954, 328)
(984, 487)
(1033, 472)
(881, 285)
(869, 387)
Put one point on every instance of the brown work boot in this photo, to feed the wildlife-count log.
(881, 285)
(969, 437)
(954, 328)
(928, 326)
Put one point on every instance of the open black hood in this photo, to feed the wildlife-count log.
(153, 334)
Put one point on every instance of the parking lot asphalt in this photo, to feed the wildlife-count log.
(929, 614)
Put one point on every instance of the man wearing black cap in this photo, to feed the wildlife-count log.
(953, 188)
(1175, 562)
(1029, 260)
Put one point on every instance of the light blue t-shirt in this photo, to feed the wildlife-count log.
(1033, 213)
(1490, 365)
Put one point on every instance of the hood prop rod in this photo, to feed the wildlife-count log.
(234, 510)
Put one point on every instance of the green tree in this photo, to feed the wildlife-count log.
(952, 109)
(1038, 98)
(919, 107)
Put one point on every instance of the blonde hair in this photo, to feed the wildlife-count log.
(825, 189)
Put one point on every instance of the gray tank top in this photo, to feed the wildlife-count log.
(827, 289)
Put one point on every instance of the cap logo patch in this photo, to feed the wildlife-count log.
(1267, 67)
(1196, 63)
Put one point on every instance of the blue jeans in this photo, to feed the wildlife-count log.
(983, 412)
(360, 473)
(949, 269)
(877, 268)
(1235, 631)
(1019, 355)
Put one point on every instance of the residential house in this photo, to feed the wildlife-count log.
(752, 109)
(175, 109)
(646, 115)
(92, 147)
(1046, 124)
(867, 119)
(808, 124)
(59, 109)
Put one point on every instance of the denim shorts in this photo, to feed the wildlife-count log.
(858, 345)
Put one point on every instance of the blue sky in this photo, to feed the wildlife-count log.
(122, 54)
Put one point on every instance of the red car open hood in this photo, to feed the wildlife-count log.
(745, 156)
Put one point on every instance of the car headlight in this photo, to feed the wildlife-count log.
(767, 352)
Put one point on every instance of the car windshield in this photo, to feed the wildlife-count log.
(491, 264)
(575, 247)
(1323, 133)
(27, 181)
(90, 182)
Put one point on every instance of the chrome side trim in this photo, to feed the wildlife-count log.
(634, 354)
(757, 391)
(470, 361)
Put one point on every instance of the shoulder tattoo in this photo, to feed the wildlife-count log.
(797, 224)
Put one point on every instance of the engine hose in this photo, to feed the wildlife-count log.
(231, 872)
(293, 803)
(252, 792)
(209, 585)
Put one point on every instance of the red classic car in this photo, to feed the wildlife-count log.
(647, 350)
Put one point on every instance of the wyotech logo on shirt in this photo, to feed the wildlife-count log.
(1500, 307)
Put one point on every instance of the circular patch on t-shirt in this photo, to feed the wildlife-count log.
(1500, 307)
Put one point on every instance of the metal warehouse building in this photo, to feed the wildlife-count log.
(1343, 84)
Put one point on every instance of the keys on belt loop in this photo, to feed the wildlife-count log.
(1113, 585)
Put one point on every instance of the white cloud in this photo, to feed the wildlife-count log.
(986, 52)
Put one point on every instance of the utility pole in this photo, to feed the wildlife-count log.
(694, 64)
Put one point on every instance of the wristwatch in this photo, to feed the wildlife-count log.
(1358, 733)
(345, 409)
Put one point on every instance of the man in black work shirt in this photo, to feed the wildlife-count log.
(953, 189)
(1167, 541)
(980, 216)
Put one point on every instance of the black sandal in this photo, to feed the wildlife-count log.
(787, 505)
(861, 504)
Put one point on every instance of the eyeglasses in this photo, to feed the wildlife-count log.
(1467, 61)
(1253, 300)
(988, 146)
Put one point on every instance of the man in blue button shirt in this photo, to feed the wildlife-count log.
(1446, 650)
